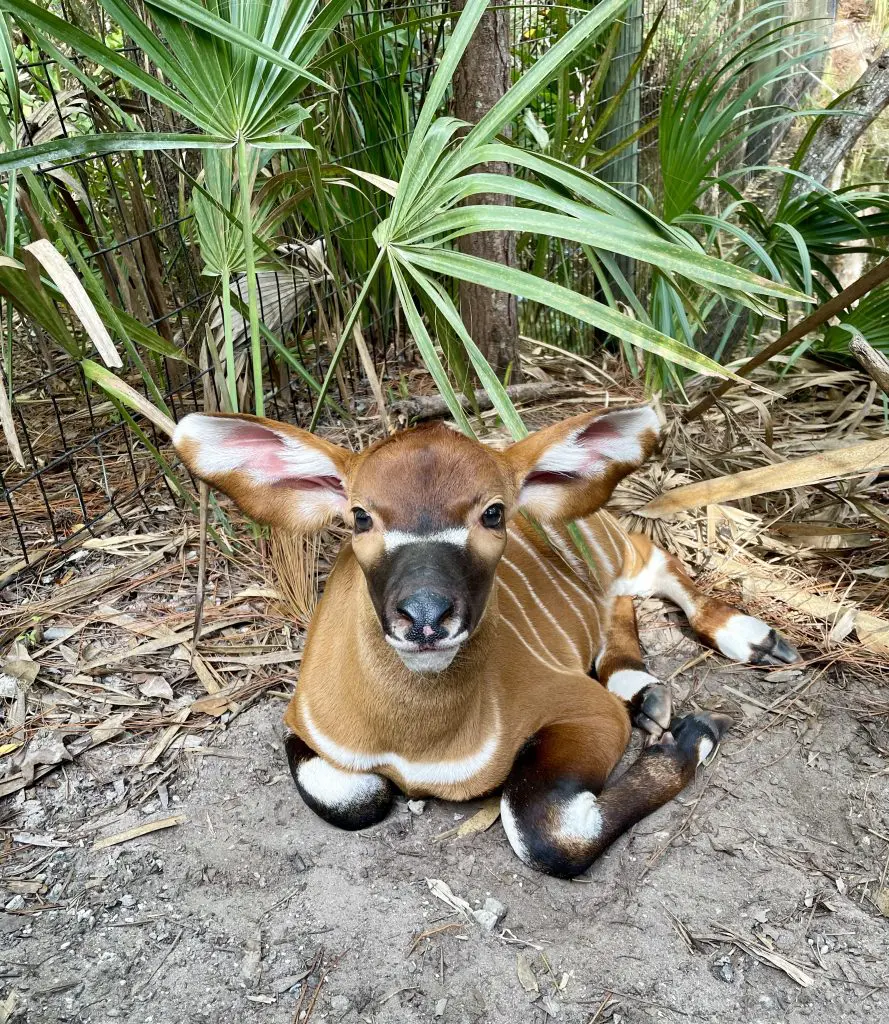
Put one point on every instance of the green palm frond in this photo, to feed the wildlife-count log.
(438, 174)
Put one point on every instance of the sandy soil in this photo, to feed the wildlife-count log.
(253, 910)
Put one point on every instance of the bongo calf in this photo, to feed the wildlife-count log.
(451, 652)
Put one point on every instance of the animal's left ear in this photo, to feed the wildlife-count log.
(568, 470)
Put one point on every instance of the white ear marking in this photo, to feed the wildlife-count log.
(225, 444)
(613, 437)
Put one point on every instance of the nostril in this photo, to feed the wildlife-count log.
(442, 612)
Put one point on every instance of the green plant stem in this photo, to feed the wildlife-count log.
(11, 209)
(231, 380)
(344, 337)
(250, 268)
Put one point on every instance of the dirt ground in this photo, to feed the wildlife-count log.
(753, 897)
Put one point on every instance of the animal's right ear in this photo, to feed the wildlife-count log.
(278, 474)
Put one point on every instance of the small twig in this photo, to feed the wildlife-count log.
(162, 961)
(433, 931)
(688, 665)
(613, 993)
(284, 899)
(298, 1018)
(595, 1017)
(748, 699)
(683, 932)
(662, 849)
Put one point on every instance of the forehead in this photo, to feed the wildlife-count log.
(426, 477)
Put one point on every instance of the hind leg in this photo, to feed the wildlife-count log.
(620, 668)
(653, 572)
(349, 800)
(557, 811)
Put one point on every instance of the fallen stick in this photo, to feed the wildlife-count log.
(874, 363)
(138, 831)
(428, 407)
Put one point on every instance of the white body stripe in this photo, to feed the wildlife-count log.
(597, 548)
(414, 773)
(532, 551)
(506, 590)
(535, 597)
(551, 665)
(580, 571)
(457, 535)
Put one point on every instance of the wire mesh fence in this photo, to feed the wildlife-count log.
(86, 459)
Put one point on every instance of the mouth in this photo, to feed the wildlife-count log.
(434, 656)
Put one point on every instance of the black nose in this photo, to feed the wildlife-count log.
(426, 610)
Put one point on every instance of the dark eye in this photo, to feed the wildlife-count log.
(492, 517)
(363, 521)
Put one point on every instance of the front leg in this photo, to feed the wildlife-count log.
(620, 668)
(349, 800)
(557, 815)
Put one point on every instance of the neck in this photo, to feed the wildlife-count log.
(431, 701)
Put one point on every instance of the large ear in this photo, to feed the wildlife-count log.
(276, 473)
(568, 470)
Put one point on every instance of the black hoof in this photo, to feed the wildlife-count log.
(697, 737)
(655, 710)
(773, 649)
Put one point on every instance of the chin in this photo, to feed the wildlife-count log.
(427, 660)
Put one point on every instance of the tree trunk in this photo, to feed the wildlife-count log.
(836, 136)
(482, 77)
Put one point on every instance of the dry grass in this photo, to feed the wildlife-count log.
(295, 562)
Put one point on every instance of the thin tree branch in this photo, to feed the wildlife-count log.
(821, 315)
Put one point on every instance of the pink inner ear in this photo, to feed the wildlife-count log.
(312, 483)
(265, 453)
(546, 476)
(264, 446)
(598, 431)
